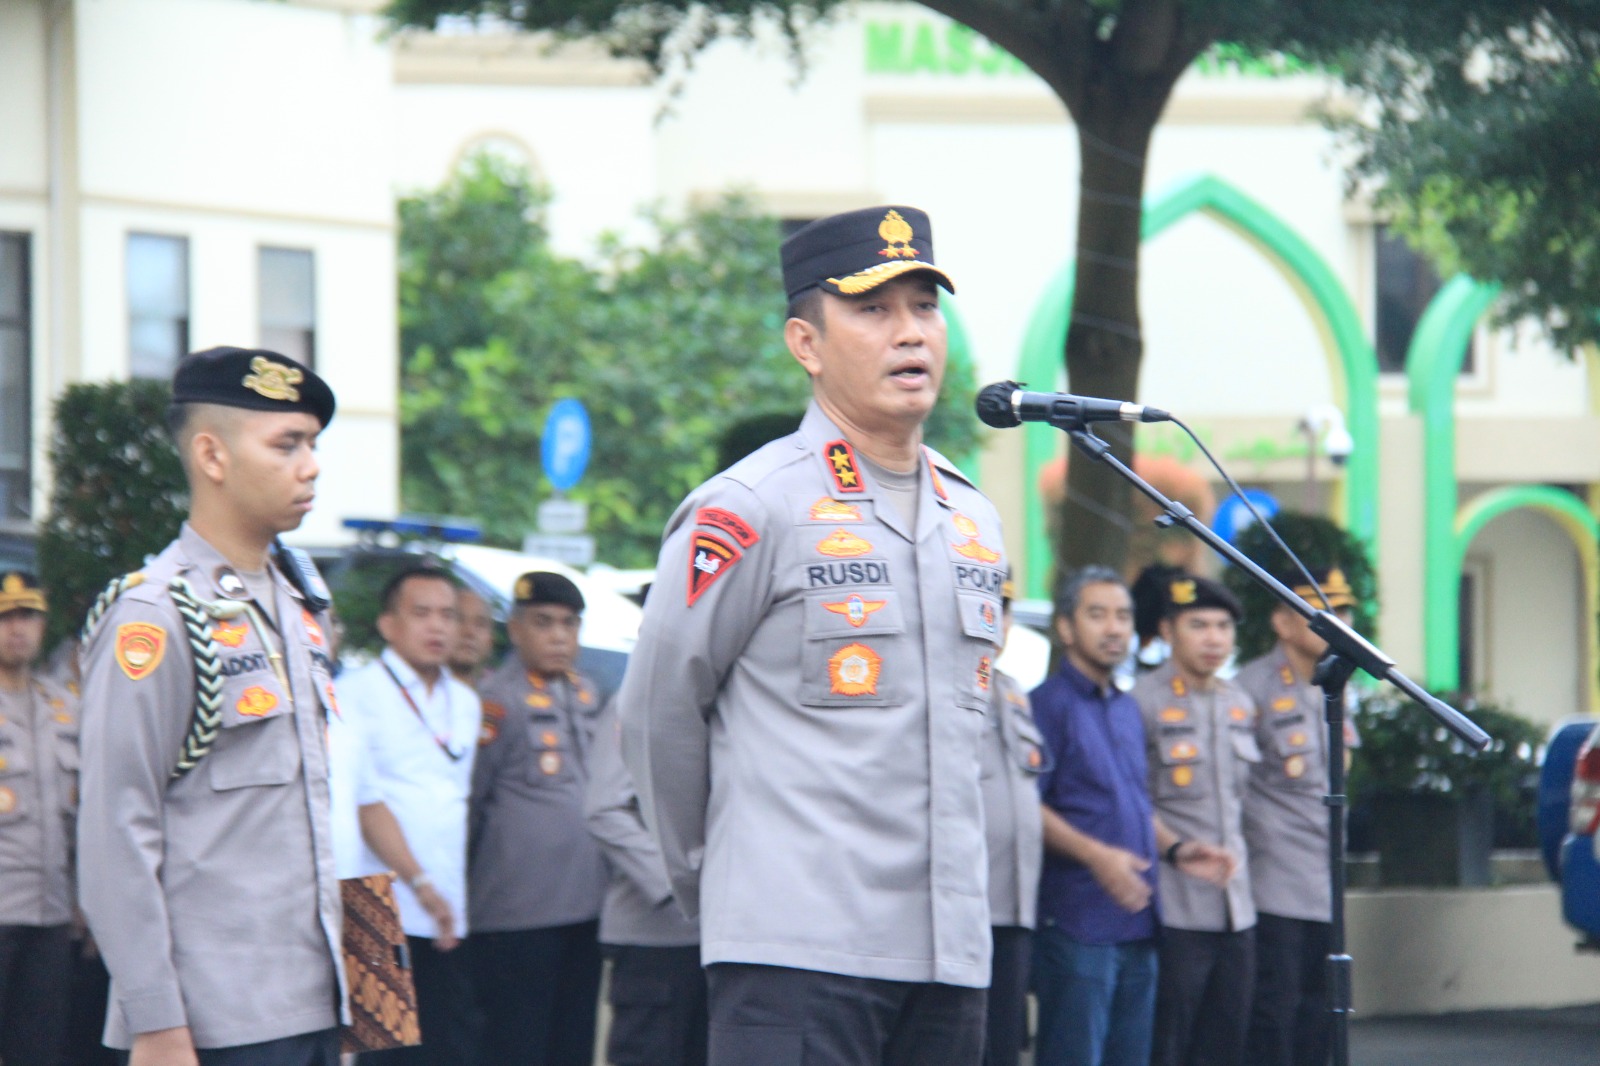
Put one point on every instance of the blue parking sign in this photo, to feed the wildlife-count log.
(565, 446)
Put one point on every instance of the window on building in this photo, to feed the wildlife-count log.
(16, 391)
(1406, 284)
(288, 302)
(158, 304)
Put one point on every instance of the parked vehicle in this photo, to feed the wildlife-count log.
(1568, 817)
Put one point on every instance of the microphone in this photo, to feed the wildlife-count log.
(1004, 404)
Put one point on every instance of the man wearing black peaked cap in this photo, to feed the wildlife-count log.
(205, 859)
(803, 713)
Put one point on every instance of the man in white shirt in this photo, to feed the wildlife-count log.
(420, 726)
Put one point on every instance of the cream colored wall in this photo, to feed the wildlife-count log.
(1534, 632)
(23, 170)
(1442, 950)
(238, 125)
(593, 146)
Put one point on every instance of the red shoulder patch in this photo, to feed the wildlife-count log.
(495, 710)
(842, 465)
(709, 558)
(729, 523)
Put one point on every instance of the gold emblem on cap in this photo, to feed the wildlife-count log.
(897, 232)
(13, 584)
(273, 380)
(1183, 592)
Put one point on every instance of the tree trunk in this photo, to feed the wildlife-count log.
(1115, 121)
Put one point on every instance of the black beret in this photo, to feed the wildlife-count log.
(1335, 586)
(1188, 593)
(254, 379)
(542, 586)
(1151, 591)
(20, 591)
(857, 251)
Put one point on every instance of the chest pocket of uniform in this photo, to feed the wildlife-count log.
(257, 744)
(1295, 756)
(974, 662)
(551, 761)
(1031, 754)
(1183, 771)
(848, 659)
(16, 764)
(67, 758)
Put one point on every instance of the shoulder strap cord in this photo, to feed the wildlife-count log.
(197, 615)
(103, 602)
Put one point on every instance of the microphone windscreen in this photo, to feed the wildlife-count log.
(994, 405)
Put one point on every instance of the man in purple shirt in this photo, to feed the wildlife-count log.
(1095, 951)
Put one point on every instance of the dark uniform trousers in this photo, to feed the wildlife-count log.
(1289, 1025)
(35, 977)
(540, 992)
(1203, 992)
(778, 1016)
(445, 1010)
(1007, 1026)
(307, 1049)
(658, 1006)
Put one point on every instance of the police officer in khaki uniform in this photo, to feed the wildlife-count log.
(1200, 742)
(804, 710)
(1013, 757)
(1286, 825)
(536, 877)
(657, 988)
(206, 865)
(38, 812)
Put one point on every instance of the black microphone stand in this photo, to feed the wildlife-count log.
(1347, 652)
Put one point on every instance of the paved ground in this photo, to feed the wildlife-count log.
(1566, 1037)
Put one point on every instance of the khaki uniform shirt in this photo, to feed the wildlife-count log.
(1200, 748)
(803, 712)
(532, 862)
(38, 803)
(639, 908)
(213, 898)
(1014, 756)
(1285, 820)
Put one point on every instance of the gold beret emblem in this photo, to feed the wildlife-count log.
(1183, 592)
(273, 380)
(896, 232)
(14, 584)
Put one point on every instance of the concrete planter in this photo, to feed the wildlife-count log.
(1427, 839)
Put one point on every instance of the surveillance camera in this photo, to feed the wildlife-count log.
(1338, 445)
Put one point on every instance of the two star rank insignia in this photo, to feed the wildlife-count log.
(842, 465)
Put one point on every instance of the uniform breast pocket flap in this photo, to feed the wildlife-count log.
(254, 750)
(1181, 762)
(836, 613)
(1245, 748)
(1032, 755)
(980, 616)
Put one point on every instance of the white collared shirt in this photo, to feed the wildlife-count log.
(411, 772)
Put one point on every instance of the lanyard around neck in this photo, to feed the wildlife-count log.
(405, 694)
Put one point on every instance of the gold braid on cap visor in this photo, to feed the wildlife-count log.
(872, 277)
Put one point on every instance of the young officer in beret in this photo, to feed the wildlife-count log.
(537, 877)
(1286, 825)
(1200, 742)
(205, 860)
(803, 712)
(38, 813)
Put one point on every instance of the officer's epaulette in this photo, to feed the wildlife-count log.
(945, 466)
(108, 596)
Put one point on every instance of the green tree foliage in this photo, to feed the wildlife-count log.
(1113, 64)
(119, 493)
(1321, 544)
(668, 344)
(1484, 150)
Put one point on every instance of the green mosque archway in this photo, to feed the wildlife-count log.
(1568, 512)
(1353, 366)
(1433, 362)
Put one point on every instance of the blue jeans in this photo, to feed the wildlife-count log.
(1097, 1002)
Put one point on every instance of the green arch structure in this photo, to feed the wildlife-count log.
(1344, 341)
(1567, 511)
(1433, 362)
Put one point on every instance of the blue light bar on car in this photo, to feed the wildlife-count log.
(423, 527)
